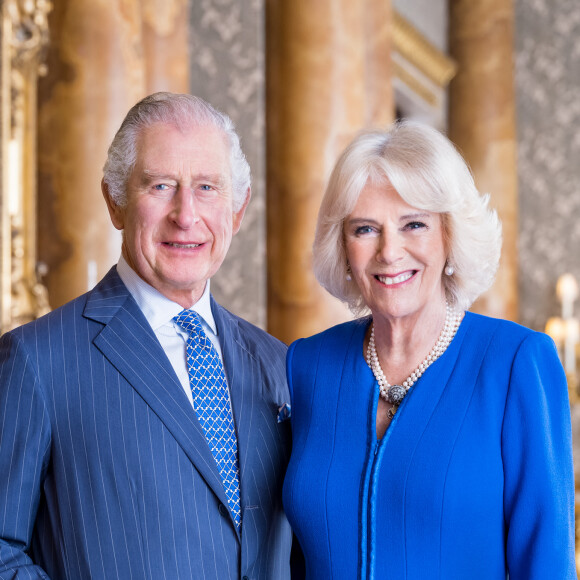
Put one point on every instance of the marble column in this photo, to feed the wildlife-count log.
(328, 75)
(165, 45)
(103, 57)
(482, 125)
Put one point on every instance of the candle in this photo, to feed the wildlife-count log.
(570, 341)
(567, 291)
(556, 328)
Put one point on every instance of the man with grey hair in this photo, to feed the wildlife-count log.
(142, 425)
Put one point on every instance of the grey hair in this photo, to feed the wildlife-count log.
(180, 110)
(428, 173)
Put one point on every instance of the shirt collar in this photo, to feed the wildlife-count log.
(158, 309)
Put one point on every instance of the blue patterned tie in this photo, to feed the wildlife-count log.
(212, 405)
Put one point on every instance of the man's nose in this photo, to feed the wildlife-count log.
(184, 212)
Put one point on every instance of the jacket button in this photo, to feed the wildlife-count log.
(245, 578)
(223, 510)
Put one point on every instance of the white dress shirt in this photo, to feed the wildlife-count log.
(159, 312)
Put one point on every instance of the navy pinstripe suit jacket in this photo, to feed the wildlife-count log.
(105, 472)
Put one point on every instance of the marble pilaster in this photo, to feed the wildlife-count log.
(482, 125)
(103, 57)
(328, 75)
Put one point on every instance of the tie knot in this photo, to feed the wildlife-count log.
(189, 320)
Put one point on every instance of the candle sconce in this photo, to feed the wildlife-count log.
(565, 331)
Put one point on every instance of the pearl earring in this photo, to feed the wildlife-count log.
(348, 273)
(449, 269)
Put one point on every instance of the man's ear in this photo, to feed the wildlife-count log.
(239, 215)
(116, 212)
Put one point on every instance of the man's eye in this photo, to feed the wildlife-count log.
(206, 187)
(161, 187)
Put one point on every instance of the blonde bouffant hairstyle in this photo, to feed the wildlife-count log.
(428, 173)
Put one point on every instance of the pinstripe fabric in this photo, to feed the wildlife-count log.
(104, 469)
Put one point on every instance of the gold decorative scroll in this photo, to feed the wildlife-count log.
(419, 52)
(24, 40)
(415, 84)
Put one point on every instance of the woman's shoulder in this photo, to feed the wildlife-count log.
(506, 334)
(499, 326)
(334, 341)
(509, 354)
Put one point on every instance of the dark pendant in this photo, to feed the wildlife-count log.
(396, 394)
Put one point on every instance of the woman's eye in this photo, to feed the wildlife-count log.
(362, 230)
(415, 225)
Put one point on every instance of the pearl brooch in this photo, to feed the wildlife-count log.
(394, 394)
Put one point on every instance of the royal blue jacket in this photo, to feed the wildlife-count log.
(473, 478)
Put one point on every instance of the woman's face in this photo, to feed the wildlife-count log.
(396, 253)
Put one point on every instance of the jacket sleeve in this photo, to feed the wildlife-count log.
(537, 459)
(24, 452)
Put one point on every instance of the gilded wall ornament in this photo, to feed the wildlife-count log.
(23, 44)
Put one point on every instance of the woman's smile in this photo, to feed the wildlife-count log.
(395, 279)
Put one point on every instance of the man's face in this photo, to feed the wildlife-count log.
(179, 220)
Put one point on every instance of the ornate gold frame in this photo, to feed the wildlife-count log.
(24, 38)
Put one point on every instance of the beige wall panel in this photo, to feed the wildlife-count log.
(227, 44)
(548, 114)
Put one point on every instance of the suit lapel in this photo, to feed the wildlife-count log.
(129, 343)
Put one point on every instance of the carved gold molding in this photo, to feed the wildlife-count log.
(418, 51)
(24, 41)
(416, 86)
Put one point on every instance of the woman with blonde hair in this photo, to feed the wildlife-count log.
(428, 442)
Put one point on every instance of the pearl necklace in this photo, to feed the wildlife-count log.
(394, 394)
